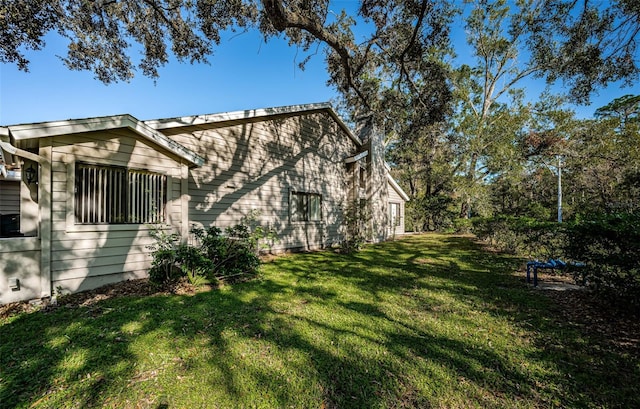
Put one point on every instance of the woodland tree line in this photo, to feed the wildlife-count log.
(467, 138)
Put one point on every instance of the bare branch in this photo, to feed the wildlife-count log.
(282, 19)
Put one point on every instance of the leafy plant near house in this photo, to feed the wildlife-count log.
(164, 251)
(525, 236)
(356, 224)
(215, 255)
(234, 253)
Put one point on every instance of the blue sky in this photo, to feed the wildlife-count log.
(244, 73)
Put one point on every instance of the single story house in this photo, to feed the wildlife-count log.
(78, 197)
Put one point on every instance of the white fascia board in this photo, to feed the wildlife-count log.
(6, 146)
(232, 116)
(172, 146)
(248, 114)
(73, 126)
(344, 126)
(357, 157)
(397, 187)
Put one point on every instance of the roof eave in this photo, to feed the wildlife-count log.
(168, 123)
(397, 188)
(56, 128)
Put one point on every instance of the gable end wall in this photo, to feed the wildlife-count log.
(256, 165)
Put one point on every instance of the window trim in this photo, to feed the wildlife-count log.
(398, 218)
(307, 211)
(73, 226)
(363, 176)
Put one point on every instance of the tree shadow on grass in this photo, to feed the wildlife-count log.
(403, 323)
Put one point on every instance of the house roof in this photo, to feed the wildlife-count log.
(248, 114)
(151, 130)
(71, 126)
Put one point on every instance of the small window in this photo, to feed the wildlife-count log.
(306, 207)
(394, 210)
(362, 177)
(117, 195)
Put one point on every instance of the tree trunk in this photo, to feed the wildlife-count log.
(465, 207)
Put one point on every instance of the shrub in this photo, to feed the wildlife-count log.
(498, 231)
(522, 235)
(213, 256)
(609, 247)
(193, 264)
(164, 251)
(356, 224)
(429, 213)
(463, 226)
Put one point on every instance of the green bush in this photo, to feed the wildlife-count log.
(525, 236)
(213, 256)
(609, 247)
(499, 231)
(356, 224)
(429, 213)
(164, 268)
(463, 226)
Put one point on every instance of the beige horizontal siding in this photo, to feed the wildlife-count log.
(86, 283)
(96, 271)
(394, 197)
(118, 147)
(20, 258)
(254, 166)
(81, 244)
(88, 266)
(116, 231)
(9, 197)
(83, 254)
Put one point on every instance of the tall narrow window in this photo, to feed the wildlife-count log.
(362, 177)
(306, 207)
(394, 210)
(117, 195)
(298, 207)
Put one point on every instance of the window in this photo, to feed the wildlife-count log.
(306, 207)
(117, 195)
(394, 210)
(362, 177)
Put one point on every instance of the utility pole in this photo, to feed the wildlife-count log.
(558, 173)
(559, 189)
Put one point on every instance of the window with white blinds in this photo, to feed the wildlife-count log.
(117, 195)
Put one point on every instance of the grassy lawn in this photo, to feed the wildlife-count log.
(426, 321)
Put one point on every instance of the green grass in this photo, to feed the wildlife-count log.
(426, 321)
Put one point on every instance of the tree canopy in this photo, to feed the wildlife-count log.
(584, 43)
(462, 133)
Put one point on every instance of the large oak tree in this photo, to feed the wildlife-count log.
(580, 41)
(395, 70)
